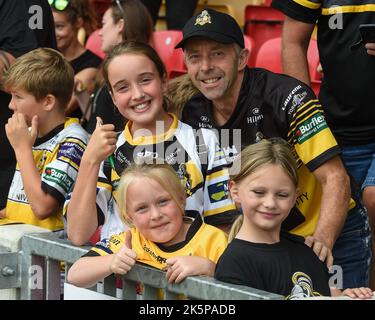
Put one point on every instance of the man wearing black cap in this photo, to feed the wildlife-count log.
(263, 105)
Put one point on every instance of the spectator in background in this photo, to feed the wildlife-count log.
(122, 21)
(348, 105)
(178, 12)
(69, 19)
(17, 38)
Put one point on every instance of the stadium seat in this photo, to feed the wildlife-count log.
(94, 44)
(261, 24)
(269, 57)
(164, 42)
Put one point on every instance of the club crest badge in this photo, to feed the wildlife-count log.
(203, 18)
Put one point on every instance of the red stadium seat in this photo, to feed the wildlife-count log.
(94, 44)
(261, 24)
(269, 57)
(164, 42)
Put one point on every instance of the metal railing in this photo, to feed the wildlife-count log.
(36, 271)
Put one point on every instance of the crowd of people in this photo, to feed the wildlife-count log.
(228, 171)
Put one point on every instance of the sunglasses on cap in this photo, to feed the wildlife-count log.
(119, 6)
(59, 4)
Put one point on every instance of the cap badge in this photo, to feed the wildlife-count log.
(203, 18)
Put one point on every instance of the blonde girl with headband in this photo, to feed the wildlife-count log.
(260, 254)
(151, 200)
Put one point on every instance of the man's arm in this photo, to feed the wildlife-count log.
(296, 38)
(335, 201)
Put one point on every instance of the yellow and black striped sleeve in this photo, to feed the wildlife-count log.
(302, 10)
(310, 135)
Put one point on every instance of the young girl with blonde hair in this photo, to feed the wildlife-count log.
(151, 200)
(260, 254)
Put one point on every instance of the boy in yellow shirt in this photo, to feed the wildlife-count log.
(48, 146)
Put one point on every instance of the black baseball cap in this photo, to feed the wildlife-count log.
(214, 25)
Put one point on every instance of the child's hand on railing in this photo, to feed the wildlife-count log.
(125, 259)
(184, 266)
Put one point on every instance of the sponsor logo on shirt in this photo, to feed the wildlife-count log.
(147, 154)
(154, 255)
(256, 116)
(71, 151)
(218, 191)
(59, 177)
(310, 127)
(291, 96)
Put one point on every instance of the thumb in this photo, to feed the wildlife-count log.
(128, 239)
(34, 126)
(99, 122)
(171, 261)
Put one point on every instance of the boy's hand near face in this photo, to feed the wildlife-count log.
(18, 133)
(125, 259)
(184, 266)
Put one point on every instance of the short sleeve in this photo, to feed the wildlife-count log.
(307, 11)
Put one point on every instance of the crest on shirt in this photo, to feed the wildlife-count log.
(303, 287)
(203, 18)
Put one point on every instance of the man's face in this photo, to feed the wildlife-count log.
(213, 67)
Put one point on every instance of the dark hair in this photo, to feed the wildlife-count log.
(81, 9)
(138, 21)
(133, 47)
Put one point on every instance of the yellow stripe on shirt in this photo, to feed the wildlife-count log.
(308, 4)
(348, 9)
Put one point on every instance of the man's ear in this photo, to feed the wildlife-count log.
(49, 102)
(242, 59)
(234, 192)
(164, 84)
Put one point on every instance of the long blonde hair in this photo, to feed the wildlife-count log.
(266, 152)
(159, 172)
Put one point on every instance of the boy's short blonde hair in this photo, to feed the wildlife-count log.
(41, 72)
(161, 173)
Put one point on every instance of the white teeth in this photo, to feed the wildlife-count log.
(140, 106)
(212, 80)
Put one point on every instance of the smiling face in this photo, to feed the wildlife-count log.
(213, 67)
(137, 90)
(266, 196)
(154, 213)
(66, 31)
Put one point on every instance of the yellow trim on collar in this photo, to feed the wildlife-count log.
(147, 140)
